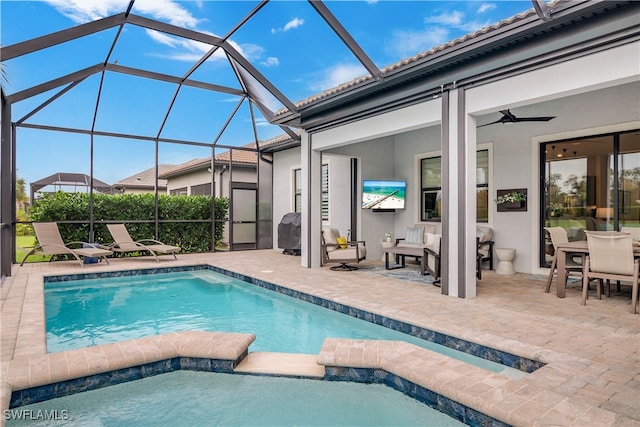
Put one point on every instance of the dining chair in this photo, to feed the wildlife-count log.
(559, 236)
(610, 258)
(633, 231)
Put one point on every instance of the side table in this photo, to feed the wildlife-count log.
(505, 260)
(384, 244)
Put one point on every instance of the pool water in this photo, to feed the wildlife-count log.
(187, 398)
(83, 313)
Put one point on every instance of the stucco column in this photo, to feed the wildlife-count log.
(311, 171)
(459, 197)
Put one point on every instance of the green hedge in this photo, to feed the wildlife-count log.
(191, 237)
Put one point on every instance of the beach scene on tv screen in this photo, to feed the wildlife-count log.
(383, 194)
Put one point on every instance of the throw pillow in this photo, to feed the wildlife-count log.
(342, 241)
(414, 235)
(479, 234)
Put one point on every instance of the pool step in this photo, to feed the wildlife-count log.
(286, 364)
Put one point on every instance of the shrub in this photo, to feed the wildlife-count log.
(190, 236)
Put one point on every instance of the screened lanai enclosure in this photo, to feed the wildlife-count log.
(218, 107)
(180, 117)
(214, 98)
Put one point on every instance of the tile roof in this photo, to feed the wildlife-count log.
(411, 61)
(240, 157)
(146, 178)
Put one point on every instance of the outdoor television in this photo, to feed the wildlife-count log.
(383, 195)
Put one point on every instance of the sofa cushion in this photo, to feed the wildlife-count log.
(414, 235)
(402, 244)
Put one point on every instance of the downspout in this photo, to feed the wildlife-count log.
(222, 171)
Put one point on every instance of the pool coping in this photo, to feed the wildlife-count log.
(518, 401)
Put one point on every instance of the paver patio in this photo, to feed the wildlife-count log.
(593, 352)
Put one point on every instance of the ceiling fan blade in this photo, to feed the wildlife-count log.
(534, 119)
(509, 117)
(492, 123)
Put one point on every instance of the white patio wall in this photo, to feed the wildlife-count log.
(589, 96)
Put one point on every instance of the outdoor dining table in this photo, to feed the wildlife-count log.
(572, 248)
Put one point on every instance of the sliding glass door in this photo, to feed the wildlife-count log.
(589, 184)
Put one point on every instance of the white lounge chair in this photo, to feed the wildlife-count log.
(123, 243)
(50, 243)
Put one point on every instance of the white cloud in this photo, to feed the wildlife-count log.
(294, 23)
(408, 43)
(81, 11)
(453, 18)
(486, 7)
(271, 62)
(338, 75)
(187, 48)
(261, 122)
(456, 19)
(166, 10)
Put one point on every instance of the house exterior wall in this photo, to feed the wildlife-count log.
(284, 163)
(129, 190)
(339, 191)
(589, 96)
(202, 176)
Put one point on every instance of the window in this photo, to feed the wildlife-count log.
(179, 191)
(431, 187)
(297, 191)
(201, 190)
(325, 192)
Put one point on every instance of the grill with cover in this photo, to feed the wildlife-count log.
(289, 233)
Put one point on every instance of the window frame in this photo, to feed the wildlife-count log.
(423, 191)
(297, 191)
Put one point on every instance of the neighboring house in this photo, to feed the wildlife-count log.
(144, 182)
(439, 121)
(195, 178)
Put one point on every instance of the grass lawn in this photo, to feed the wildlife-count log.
(23, 245)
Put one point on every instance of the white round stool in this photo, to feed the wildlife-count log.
(505, 257)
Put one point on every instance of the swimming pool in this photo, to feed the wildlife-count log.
(82, 313)
(186, 398)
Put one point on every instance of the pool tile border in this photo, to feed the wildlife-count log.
(93, 382)
(423, 395)
(491, 354)
(513, 361)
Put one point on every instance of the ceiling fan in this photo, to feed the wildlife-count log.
(508, 117)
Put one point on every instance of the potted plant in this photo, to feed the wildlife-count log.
(512, 200)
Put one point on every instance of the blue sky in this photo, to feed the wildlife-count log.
(287, 41)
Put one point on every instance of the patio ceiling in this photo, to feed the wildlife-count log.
(101, 108)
